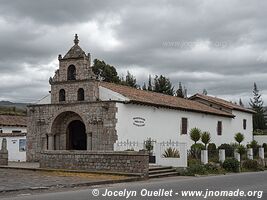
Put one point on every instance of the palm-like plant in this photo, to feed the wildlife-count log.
(205, 138)
(239, 137)
(171, 153)
(195, 134)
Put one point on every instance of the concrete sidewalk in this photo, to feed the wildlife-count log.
(21, 176)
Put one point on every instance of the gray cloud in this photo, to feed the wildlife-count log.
(219, 46)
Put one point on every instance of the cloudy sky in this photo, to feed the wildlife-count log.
(217, 45)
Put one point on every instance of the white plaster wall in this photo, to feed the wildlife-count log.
(260, 139)
(237, 125)
(9, 129)
(13, 149)
(165, 124)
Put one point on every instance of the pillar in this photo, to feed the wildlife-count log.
(250, 153)
(237, 156)
(261, 152)
(51, 142)
(221, 155)
(89, 141)
(204, 156)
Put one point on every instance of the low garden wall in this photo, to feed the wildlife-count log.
(126, 162)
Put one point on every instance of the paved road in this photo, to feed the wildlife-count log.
(245, 181)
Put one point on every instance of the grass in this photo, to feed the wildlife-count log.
(12, 111)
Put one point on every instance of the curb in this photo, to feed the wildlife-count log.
(73, 171)
(76, 185)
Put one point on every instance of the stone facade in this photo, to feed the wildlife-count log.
(51, 121)
(4, 153)
(127, 162)
(73, 120)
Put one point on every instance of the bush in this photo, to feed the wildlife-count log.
(229, 149)
(196, 150)
(251, 165)
(254, 145)
(195, 169)
(231, 165)
(212, 151)
(212, 168)
(192, 161)
(264, 145)
(171, 153)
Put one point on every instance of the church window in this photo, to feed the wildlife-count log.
(80, 94)
(71, 72)
(62, 95)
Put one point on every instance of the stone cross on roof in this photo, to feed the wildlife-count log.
(76, 40)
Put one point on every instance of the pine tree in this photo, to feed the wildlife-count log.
(257, 105)
(180, 91)
(149, 87)
(205, 92)
(163, 85)
(130, 80)
(144, 86)
(241, 103)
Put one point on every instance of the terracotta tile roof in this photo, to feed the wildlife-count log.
(221, 102)
(162, 100)
(13, 120)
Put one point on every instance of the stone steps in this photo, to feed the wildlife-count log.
(158, 172)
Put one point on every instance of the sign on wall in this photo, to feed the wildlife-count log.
(139, 121)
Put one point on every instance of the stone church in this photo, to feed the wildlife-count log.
(75, 119)
(84, 113)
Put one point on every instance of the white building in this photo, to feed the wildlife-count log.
(14, 129)
(145, 114)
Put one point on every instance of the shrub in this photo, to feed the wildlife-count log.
(212, 168)
(196, 169)
(149, 145)
(205, 138)
(251, 165)
(239, 137)
(196, 150)
(229, 149)
(231, 165)
(192, 161)
(254, 145)
(195, 134)
(171, 153)
(264, 145)
(212, 149)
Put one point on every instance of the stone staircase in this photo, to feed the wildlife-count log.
(160, 171)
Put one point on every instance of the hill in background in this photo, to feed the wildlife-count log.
(10, 108)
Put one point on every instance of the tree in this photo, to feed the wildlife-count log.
(149, 87)
(105, 71)
(257, 105)
(241, 103)
(163, 85)
(239, 137)
(144, 86)
(241, 149)
(205, 138)
(195, 134)
(180, 92)
(130, 80)
(205, 92)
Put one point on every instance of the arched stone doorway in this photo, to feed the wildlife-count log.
(68, 132)
(77, 138)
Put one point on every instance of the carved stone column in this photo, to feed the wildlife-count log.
(89, 141)
(51, 142)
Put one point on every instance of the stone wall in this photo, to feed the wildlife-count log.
(45, 120)
(4, 153)
(127, 162)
